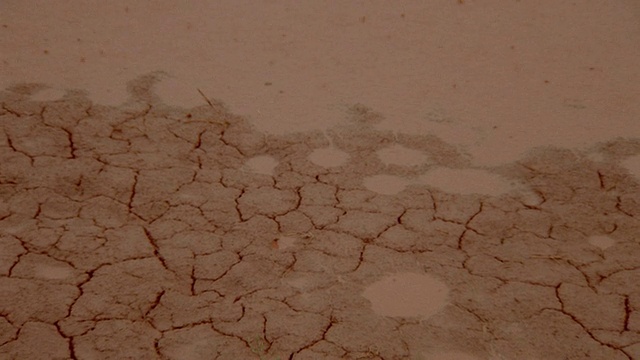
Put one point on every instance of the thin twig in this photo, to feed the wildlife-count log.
(205, 97)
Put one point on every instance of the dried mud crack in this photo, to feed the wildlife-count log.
(153, 232)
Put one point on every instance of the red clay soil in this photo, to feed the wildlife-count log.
(146, 231)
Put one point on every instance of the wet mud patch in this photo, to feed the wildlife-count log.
(160, 232)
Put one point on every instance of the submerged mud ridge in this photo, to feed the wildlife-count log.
(147, 231)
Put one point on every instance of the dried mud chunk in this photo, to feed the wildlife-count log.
(189, 214)
(415, 197)
(291, 329)
(312, 291)
(202, 342)
(536, 271)
(322, 216)
(291, 180)
(369, 201)
(318, 194)
(24, 203)
(15, 167)
(633, 351)
(10, 249)
(238, 280)
(111, 181)
(456, 208)
(213, 266)
(177, 310)
(7, 332)
(518, 248)
(117, 339)
(242, 137)
(113, 245)
(592, 310)
(53, 303)
(50, 344)
(106, 212)
(580, 217)
(301, 164)
(19, 225)
(243, 179)
(150, 211)
(399, 238)
(67, 113)
(534, 221)
(179, 250)
(154, 185)
(544, 161)
(364, 225)
(558, 336)
(63, 176)
(629, 204)
(124, 290)
(318, 261)
(336, 244)
(44, 238)
(294, 222)
(59, 207)
(440, 232)
(157, 134)
(259, 230)
(322, 350)
(220, 205)
(196, 242)
(18, 99)
(266, 201)
(93, 136)
(492, 222)
(44, 141)
(517, 301)
(419, 220)
(189, 130)
(633, 306)
(354, 199)
(621, 282)
(217, 155)
(42, 267)
(382, 340)
(80, 237)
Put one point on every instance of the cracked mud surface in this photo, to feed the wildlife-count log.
(147, 231)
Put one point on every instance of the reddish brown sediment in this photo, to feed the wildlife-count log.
(161, 232)
(357, 180)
